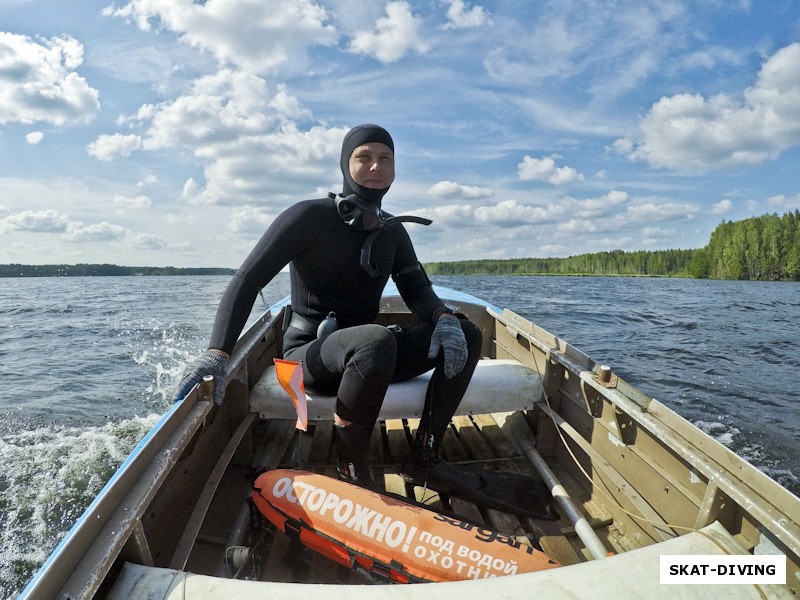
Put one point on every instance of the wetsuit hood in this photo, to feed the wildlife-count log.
(358, 136)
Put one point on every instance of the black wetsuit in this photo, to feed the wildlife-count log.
(358, 361)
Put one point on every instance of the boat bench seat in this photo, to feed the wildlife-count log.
(496, 386)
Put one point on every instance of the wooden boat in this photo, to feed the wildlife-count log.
(633, 482)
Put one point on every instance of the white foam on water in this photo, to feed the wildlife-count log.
(724, 434)
(49, 476)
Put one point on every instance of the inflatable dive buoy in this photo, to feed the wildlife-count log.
(398, 541)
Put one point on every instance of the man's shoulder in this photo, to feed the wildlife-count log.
(310, 208)
(313, 204)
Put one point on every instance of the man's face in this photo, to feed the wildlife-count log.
(372, 165)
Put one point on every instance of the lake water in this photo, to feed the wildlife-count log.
(88, 365)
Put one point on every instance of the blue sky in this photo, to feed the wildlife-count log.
(171, 132)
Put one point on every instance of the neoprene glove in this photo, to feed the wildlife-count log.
(210, 363)
(449, 337)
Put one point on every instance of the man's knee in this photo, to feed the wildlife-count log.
(473, 335)
(377, 349)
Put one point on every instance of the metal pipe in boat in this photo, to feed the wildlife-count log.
(522, 438)
(582, 528)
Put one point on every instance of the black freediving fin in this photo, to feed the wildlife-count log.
(507, 491)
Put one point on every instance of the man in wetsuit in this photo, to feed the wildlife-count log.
(341, 251)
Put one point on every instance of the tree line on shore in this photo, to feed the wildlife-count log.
(765, 248)
(104, 270)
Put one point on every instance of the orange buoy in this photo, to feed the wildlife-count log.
(399, 541)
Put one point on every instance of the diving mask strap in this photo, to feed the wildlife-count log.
(366, 249)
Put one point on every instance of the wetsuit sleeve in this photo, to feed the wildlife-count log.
(413, 283)
(276, 248)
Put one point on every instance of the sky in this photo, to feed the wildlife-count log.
(172, 132)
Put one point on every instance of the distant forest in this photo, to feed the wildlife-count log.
(84, 270)
(765, 248)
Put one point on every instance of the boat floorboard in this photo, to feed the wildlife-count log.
(470, 440)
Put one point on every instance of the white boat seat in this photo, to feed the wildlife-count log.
(496, 386)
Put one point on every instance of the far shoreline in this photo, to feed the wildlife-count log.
(104, 270)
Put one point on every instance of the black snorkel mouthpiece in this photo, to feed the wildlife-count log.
(360, 215)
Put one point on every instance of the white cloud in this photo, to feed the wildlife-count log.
(288, 106)
(713, 57)
(149, 179)
(605, 48)
(394, 35)
(41, 221)
(687, 132)
(254, 35)
(191, 190)
(108, 147)
(51, 221)
(654, 234)
(597, 206)
(651, 211)
(460, 17)
(38, 81)
(722, 207)
(34, 137)
(453, 215)
(247, 139)
(511, 213)
(450, 189)
(220, 108)
(545, 169)
(265, 168)
(140, 201)
(610, 213)
(98, 232)
(250, 221)
(784, 202)
(148, 241)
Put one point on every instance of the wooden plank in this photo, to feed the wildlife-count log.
(466, 510)
(395, 484)
(321, 449)
(553, 542)
(278, 436)
(397, 440)
(498, 442)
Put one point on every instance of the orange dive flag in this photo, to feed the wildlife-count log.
(290, 376)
